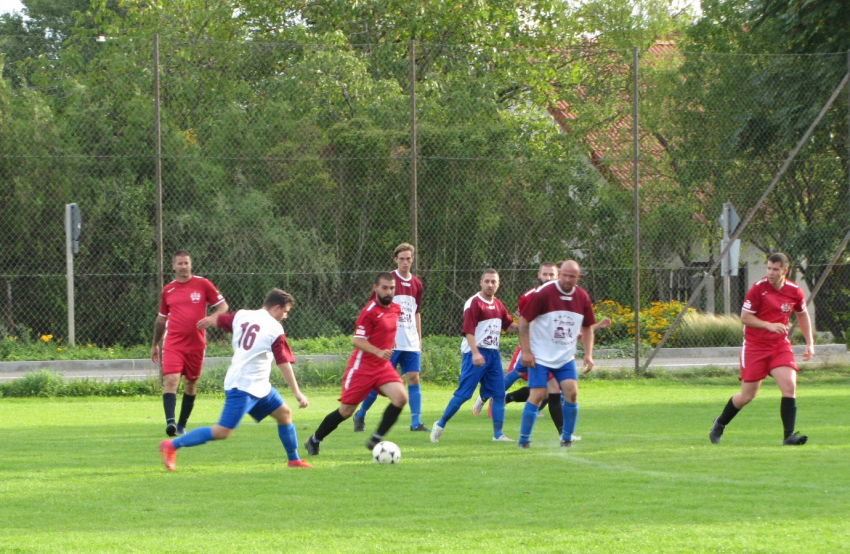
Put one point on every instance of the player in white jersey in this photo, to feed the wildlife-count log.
(407, 352)
(484, 318)
(258, 338)
(550, 325)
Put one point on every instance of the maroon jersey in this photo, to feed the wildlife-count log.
(377, 325)
(555, 320)
(184, 304)
(484, 320)
(773, 306)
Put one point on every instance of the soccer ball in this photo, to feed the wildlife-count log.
(386, 452)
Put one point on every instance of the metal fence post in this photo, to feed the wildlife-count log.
(636, 184)
(414, 156)
(158, 160)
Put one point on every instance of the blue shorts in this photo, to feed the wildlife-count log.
(237, 403)
(408, 360)
(490, 375)
(538, 376)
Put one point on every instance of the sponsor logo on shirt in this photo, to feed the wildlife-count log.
(405, 284)
(747, 305)
(562, 330)
(491, 307)
(565, 297)
(360, 331)
(195, 296)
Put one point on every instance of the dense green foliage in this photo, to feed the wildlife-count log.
(287, 156)
(287, 151)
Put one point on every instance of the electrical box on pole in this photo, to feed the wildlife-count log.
(729, 220)
(73, 228)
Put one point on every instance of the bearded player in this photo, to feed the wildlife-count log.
(369, 367)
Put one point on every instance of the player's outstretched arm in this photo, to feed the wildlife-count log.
(212, 319)
(602, 324)
(525, 343)
(750, 320)
(158, 332)
(808, 333)
(587, 340)
(289, 377)
(366, 346)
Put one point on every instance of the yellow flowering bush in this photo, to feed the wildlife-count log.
(654, 321)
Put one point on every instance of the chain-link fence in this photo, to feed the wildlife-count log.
(302, 166)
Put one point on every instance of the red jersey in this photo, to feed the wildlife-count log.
(377, 324)
(523, 300)
(773, 306)
(184, 304)
(408, 295)
(555, 320)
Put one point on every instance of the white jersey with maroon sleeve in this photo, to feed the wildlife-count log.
(258, 339)
(408, 295)
(484, 320)
(555, 320)
(773, 306)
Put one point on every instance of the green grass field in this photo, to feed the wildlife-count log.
(82, 475)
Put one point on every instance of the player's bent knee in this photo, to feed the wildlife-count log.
(347, 410)
(220, 433)
(283, 415)
(190, 387)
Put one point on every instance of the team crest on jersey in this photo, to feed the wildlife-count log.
(195, 296)
(562, 328)
(492, 338)
(786, 307)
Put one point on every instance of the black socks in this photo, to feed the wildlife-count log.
(729, 412)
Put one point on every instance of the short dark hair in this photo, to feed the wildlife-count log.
(489, 270)
(403, 247)
(180, 253)
(779, 257)
(548, 264)
(278, 297)
(384, 276)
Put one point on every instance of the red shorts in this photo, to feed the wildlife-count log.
(188, 364)
(358, 381)
(758, 362)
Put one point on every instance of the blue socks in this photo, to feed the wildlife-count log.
(570, 418)
(201, 435)
(454, 405)
(529, 418)
(498, 416)
(510, 378)
(366, 404)
(290, 440)
(414, 392)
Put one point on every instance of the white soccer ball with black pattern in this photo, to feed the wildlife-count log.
(386, 452)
